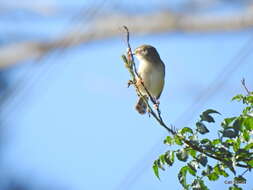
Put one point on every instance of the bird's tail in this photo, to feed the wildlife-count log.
(141, 106)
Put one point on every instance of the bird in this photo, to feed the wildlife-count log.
(151, 73)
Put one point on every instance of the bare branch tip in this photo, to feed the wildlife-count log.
(244, 86)
(125, 27)
(243, 81)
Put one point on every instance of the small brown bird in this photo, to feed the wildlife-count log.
(152, 72)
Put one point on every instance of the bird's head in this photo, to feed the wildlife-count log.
(146, 52)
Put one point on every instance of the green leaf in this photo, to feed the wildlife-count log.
(185, 130)
(207, 171)
(205, 141)
(213, 176)
(161, 161)
(228, 121)
(236, 144)
(216, 141)
(235, 187)
(249, 146)
(205, 116)
(202, 159)
(169, 157)
(160, 164)
(194, 142)
(182, 176)
(169, 140)
(246, 135)
(246, 111)
(178, 141)
(220, 170)
(198, 184)
(210, 111)
(230, 133)
(162, 158)
(230, 164)
(192, 167)
(191, 171)
(250, 114)
(156, 170)
(237, 125)
(216, 169)
(182, 155)
(250, 163)
(228, 142)
(201, 128)
(248, 123)
(242, 155)
(249, 99)
(238, 97)
(240, 180)
(192, 152)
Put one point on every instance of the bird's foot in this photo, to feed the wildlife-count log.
(129, 83)
(149, 112)
(139, 82)
(156, 104)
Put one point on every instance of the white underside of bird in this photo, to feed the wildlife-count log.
(153, 78)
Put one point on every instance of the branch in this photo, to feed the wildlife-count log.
(130, 64)
(245, 87)
(159, 22)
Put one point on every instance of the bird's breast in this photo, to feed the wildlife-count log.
(152, 76)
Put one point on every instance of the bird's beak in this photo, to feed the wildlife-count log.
(135, 52)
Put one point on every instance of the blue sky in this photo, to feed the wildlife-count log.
(75, 125)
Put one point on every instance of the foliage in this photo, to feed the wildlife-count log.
(204, 158)
(232, 149)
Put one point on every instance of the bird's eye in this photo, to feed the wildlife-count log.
(145, 51)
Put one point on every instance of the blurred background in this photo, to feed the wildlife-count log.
(67, 120)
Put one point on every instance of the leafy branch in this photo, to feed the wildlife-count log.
(232, 149)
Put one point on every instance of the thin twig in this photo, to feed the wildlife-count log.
(245, 172)
(244, 85)
(129, 51)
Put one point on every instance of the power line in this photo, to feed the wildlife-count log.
(219, 81)
(20, 89)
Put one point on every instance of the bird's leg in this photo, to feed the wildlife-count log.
(139, 81)
(148, 110)
(156, 104)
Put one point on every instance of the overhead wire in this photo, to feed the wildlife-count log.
(20, 83)
(20, 89)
